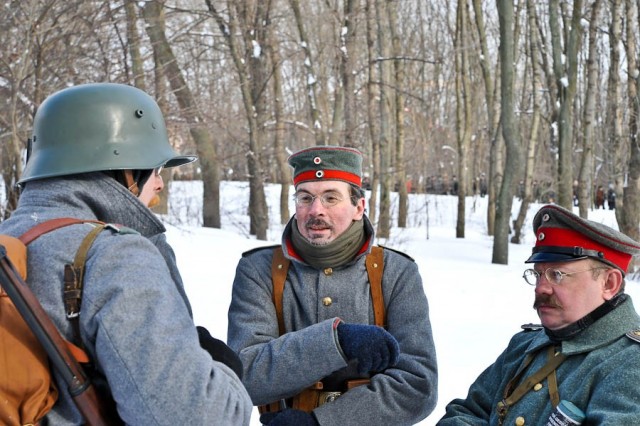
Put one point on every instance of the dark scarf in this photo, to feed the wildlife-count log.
(572, 330)
(337, 253)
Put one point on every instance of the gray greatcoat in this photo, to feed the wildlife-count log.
(281, 366)
(600, 376)
(135, 320)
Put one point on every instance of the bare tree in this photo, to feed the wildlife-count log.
(585, 176)
(153, 15)
(510, 133)
(628, 211)
(249, 19)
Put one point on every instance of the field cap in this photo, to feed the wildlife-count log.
(562, 236)
(327, 163)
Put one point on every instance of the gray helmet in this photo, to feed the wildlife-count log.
(99, 127)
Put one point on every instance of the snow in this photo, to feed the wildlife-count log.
(475, 306)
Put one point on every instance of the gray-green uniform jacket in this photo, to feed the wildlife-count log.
(134, 320)
(281, 366)
(601, 376)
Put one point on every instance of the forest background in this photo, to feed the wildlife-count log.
(508, 98)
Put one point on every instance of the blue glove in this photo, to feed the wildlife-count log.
(373, 347)
(288, 417)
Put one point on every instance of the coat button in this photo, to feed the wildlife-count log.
(537, 387)
(519, 421)
(328, 271)
(326, 301)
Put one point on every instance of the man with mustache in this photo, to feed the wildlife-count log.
(582, 362)
(315, 351)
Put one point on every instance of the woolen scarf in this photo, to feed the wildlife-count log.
(336, 253)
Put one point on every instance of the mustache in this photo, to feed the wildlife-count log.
(314, 221)
(546, 299)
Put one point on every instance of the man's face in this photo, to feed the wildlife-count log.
(321, 224)
(576, 295)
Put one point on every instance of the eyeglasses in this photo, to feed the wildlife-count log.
(554, 276)
(158, 170)
(328, 199)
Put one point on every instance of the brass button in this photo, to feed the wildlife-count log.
(637, 332)
(537, 387)
(328, 271)
(520, 421)
(326, 301)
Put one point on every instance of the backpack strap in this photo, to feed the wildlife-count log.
(72, 287)
(73, 280)
(375, 267)
(51, 225)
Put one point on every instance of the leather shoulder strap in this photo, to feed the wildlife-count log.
(375, 267)
(50, 225)
(279, 268)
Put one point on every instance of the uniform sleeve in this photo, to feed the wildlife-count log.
(275, 367)
(406, 393)
(140, 333)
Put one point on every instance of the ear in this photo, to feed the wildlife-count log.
(612, 284)
(360, 208)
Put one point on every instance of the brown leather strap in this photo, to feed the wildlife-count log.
(74, 279)
(512, 394)
(375, 266)
(307, 400)
(279, 268)
(50, 225)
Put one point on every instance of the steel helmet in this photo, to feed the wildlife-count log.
(99, 127)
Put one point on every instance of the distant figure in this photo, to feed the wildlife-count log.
(483, 185)
(600, 197)
(611, 198)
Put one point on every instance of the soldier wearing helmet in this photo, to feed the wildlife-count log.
(93, 148)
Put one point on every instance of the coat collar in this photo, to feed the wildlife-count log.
(601, 333)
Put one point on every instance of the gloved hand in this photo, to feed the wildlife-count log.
(373, 347)
(219, 351)
(288, 417)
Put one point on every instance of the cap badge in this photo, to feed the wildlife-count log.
(317, 160)
(319, 174)
(546, 217)
(541, 236)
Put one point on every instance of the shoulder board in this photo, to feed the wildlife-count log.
(634, 335)
(254, 250)
(121, 229)
(531, 327)
(399, 252)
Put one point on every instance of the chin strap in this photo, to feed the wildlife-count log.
(130, 183)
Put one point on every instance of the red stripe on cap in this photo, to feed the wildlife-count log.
(560, 237)
(328, 175)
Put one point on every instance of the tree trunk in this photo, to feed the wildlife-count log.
(585, 177)
(207, 157)
(628, 213)
(252, 73)
(463, 110)
(384, 220)
(535, 124)
(566, 83)
(398, 66)
(312, 77)
(373, 93)
(283, 169)
(509, 131)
